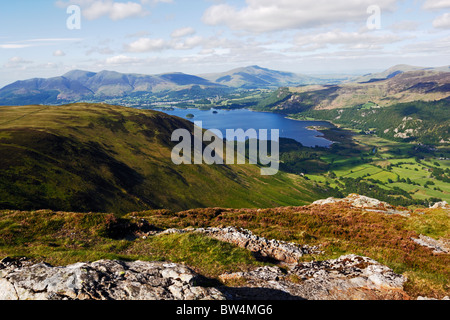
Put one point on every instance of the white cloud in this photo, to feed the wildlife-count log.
(16, 62)
(406, 25)
(146, 44)
(121, 59)
(151, 45)
(115, 10)
(59, 53)
(183, 32)
(95, 9)
(189, 43)
(267, 15)
(436, 4)
(14, 46)
(429, 47)
(347, 40)
(442, 22)
(36, 42)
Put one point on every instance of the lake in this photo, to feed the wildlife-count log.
(246, 119)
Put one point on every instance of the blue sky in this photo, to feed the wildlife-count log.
(202, 36)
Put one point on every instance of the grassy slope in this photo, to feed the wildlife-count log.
(86, 157)
(63, 238)
(425, 122)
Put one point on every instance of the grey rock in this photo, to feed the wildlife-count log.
(349, 277)
(438, 246)
(104, 280)
(441, 205)
(363, 202)
(281, 251)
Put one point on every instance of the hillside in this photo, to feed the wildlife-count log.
(95, 157)
(338, 249)
(424, 122)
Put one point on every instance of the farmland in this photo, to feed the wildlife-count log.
(409, 174)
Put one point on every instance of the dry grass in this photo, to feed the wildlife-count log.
(63, 238)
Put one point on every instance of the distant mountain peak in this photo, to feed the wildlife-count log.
(256, 67)
(255, 76)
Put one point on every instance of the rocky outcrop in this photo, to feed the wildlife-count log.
(438, 246)
(280, 251)
(347, 278)
(363, 202)
(441, 205)
(102, 280)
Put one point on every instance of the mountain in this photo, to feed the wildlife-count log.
(396, 70)
(78, 85)
(102, 158)
(422, 85)
(256, 77)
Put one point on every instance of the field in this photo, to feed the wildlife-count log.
(392, 167)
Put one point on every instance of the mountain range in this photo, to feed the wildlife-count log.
(401, 83)
(78, 85)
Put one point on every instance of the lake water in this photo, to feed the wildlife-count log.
(247, 119)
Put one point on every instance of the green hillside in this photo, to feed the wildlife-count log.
(96, 157)
(425, 122)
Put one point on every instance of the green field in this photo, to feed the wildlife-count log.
(386, 164)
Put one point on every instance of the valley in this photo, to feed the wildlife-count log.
(91, 180)
(225, 158)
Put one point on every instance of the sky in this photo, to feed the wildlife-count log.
(42, 39)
